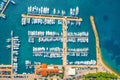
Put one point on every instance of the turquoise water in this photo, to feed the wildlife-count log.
(106, 13)
(91, 44)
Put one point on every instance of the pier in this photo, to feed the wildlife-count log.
(82, 66)
(100, 63)
(12, 44)
(64, 29)
(56, 36)
(51, 17)
(96, 38)
(2, 12)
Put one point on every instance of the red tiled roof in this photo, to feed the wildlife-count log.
(44, 71)
(43, 66)
(37, 71)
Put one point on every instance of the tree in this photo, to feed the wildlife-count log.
(60, 75)
(99, 76)
(35, 79)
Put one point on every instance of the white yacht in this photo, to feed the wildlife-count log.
(28, 20)
(3, 16)
(8, 40)
(16, 37)
(8, 46)
(58, 12)
(27, 62)
(63, 12)
(4, 0)
(2, 5)
(77, 10)
(15, 59)
(41, 9)
(23, 21)
(54, 11)
(30, 9)
(13, 2)
(71, 11)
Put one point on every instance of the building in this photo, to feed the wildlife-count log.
(45, 70)
(71, 71)
(5, 71)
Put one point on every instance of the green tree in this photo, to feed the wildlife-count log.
(35, 79)
(99, 76)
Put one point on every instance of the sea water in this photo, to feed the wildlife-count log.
(106, 15)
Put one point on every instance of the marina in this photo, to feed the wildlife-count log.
(49, 36)
(54, 54)
(44, 17)
(54, 34)
(52, 38)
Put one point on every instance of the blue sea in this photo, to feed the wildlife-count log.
(106, 13)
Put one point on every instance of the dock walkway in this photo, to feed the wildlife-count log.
(2, 12)
(12, 43)
(51, 17)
